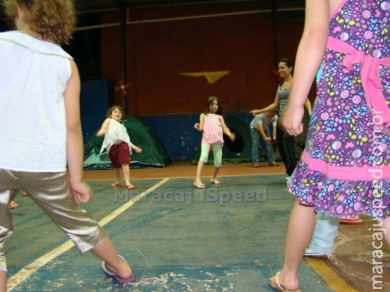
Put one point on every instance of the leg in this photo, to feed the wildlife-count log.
(255, 146)
(300, 230)
(123, 159)
(118, 175)
(280, 142)
(204, 154)
(3, 281)
(6, 224)
(198, 180)
(105, 250)
(126, 174)
(120, 155)
(386, 226)
(289, 150)
(214, 175)
(8, 190)
(324, 235)
(3, 269)
(217, 150)
(52, 193)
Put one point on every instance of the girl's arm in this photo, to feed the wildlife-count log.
(199, 126)
(103, 128)
(272, 106)
(310, 53)
(226, 130)
(135, 148)
(74, 139)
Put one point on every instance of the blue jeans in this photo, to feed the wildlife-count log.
(267, 146)
(324, 233)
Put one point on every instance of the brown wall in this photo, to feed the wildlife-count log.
(157, 52)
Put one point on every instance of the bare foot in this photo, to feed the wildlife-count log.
(199, 185)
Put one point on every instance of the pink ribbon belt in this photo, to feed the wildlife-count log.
(369, 74)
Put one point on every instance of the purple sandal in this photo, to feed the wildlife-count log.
(115, 277)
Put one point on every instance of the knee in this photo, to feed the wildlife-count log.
(3, 264)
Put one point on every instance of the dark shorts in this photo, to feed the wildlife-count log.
(119, 154)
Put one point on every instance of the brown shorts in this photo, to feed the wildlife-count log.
(119, 154)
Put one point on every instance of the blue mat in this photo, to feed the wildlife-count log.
(228, 237)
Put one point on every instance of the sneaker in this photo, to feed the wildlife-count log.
(256, 165)
(312, 253)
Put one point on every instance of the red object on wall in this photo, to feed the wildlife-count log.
(122, 87)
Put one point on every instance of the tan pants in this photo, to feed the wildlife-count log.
(51, 192)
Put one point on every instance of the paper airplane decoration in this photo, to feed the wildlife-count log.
(211, 77)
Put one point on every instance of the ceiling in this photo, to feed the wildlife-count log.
(88, 6)
(96, 7)
(99, 5)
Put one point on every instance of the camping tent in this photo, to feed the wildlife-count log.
(154, 153)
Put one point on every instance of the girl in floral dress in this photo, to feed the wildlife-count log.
(344, 170)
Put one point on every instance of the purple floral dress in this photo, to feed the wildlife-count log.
(344, 169)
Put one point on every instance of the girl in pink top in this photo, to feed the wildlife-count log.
(213, 126)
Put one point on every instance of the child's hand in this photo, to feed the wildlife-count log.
(196, 126)
(138, 150)
(81, 192)
(232, 137)
(100, 133)
(268, 139)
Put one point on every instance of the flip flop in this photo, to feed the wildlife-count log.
(275, 284)
(116, 185)
(216, 182)
(199, 186)
(115, 277)
(357, 221)
(130, 187)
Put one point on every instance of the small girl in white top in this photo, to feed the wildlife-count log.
(117, 142)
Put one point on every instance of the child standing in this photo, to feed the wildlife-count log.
(213, 126)
(40, 82)
(117, 142)
(345, 168)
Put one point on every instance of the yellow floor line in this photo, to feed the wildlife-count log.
(31, 268)
(329, 276)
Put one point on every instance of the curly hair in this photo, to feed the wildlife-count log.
(53, 20)
(114, 107)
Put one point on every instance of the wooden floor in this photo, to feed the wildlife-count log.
(350, 268)
(186, 169)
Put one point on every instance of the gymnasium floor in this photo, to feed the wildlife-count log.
(228, 237)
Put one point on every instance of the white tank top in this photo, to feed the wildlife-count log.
(115, 132)
(33, 78)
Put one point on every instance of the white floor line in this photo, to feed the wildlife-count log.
(31, 268)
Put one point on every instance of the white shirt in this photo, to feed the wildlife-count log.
(115, 132)
(33, 78)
